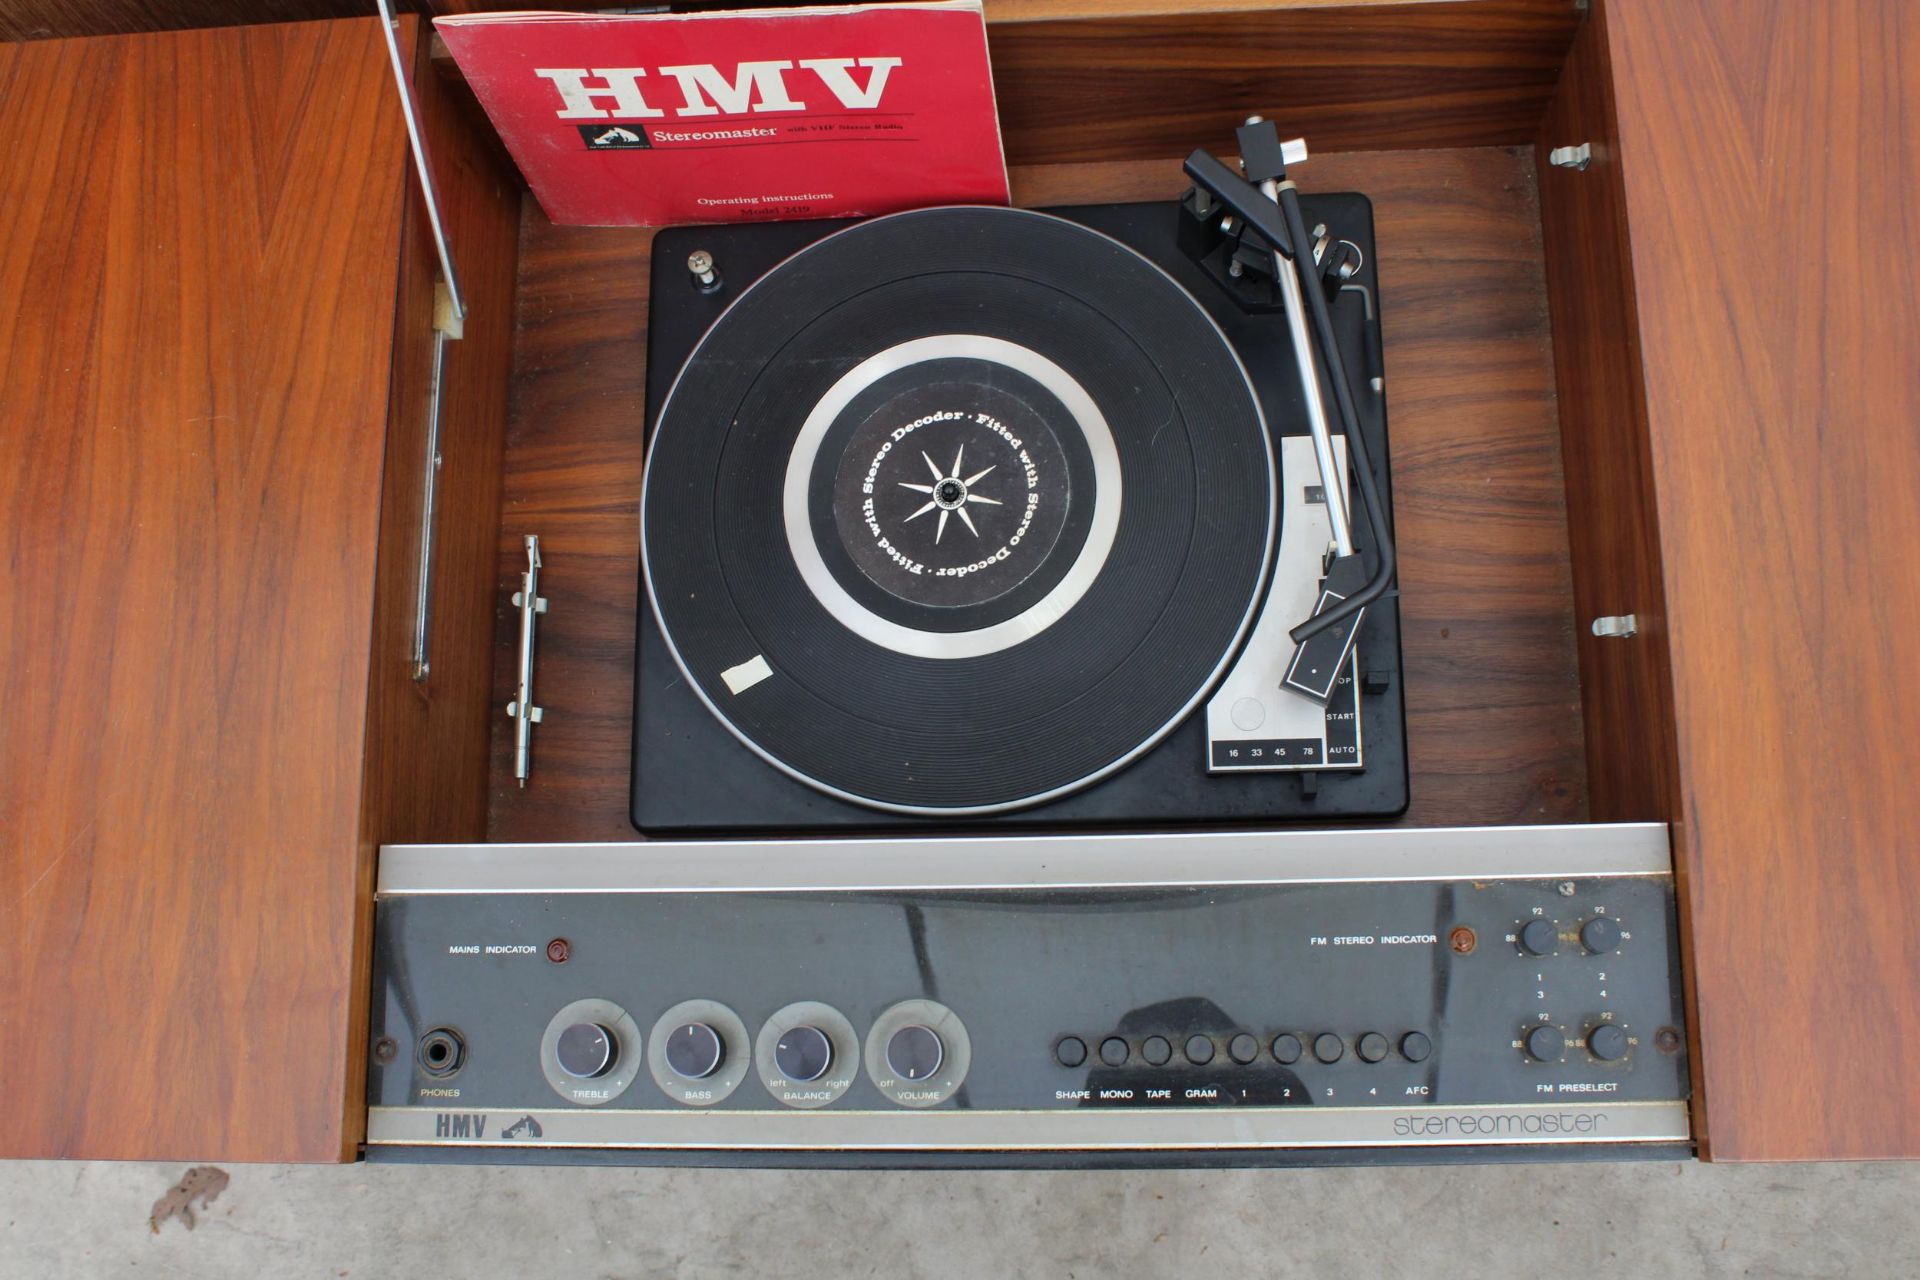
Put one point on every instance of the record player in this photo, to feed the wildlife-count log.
(970, 516)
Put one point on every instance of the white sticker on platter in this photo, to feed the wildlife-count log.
(748, 674)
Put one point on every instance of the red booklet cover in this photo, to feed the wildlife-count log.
(648, 120)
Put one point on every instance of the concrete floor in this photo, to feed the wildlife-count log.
(1460, 1224)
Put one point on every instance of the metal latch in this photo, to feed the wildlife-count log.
(522, 709)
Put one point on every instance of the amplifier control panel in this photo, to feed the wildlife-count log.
(1236, 991)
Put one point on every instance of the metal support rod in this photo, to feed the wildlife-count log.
(423, 592)
(1296, 309)
(522, 709)
(417, 142)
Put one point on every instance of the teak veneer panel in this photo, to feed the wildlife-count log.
(217, 290)
(1632, 774)
(200, 227)
(427, 753)
(1466, 74)
(1767, 154)
(1492, 692)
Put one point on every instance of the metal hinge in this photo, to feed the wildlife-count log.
(1571, 157)
(1621, 626)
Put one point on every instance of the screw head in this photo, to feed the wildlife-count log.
(385, 1050)
(1566, 888)
(699, 262)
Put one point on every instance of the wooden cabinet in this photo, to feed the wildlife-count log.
(217, 328)
(1675, 382)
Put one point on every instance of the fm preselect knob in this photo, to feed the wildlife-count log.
(1607, 1042)
(1539, 937)
(1600, 935)
(1545, 1043)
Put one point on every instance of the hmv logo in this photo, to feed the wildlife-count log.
(451, 1125)
(615, 93)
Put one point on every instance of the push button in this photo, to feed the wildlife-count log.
(1199, 1050)
(1243, 1048)
(1328, 1047)
(1113, 1051)
(1372, 1047)
(1287, 1049)
(1415, 1046)
(1157, 1051)
(1070, 1052)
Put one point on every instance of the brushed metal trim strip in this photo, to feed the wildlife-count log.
(907, 864)
(1084, 1129)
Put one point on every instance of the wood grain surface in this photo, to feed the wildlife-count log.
(1493, 699)
(1475, 73)
(427, 740)
(427, 761)
(1626, 685)
(54, 19)
(1768, 154)
(198, 236)
(1089, 80)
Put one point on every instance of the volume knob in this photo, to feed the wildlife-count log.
(1538, 937)
(914, 1052)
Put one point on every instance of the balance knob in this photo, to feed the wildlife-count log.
(915, 1052)
(1600, 935)
(1538, 937)
(586, 1050)
(1607, 1042)
(1545, 1044)
(695, 1051)
(803, 1054)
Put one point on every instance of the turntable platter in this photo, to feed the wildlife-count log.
(958, 510)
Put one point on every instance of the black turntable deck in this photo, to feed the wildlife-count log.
(972, 515)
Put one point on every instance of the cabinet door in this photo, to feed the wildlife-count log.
(1768, 155)
(198, 254)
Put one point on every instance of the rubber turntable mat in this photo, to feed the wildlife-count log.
(1013, 726)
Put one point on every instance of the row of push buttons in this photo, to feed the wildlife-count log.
(1287, 1049)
